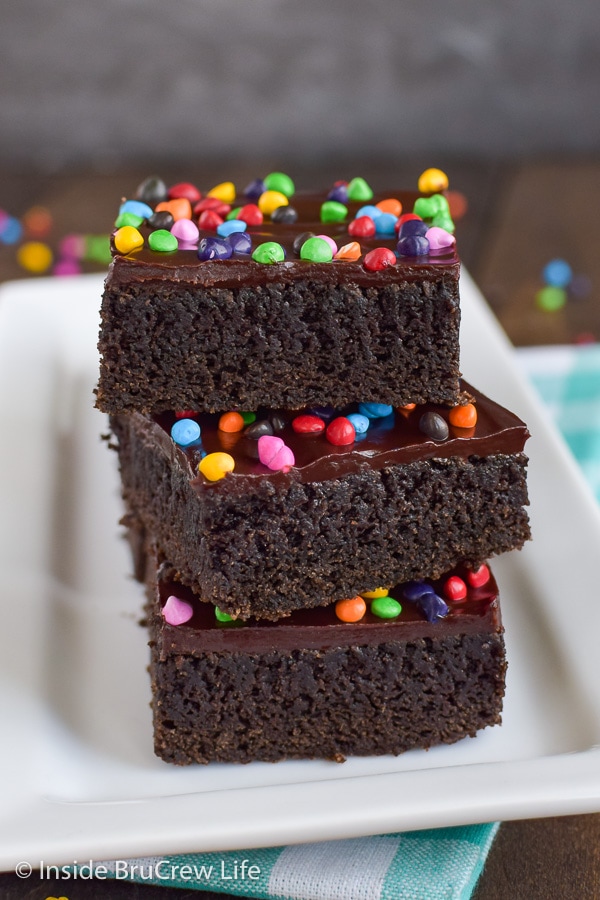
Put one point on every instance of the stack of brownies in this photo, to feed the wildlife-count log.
(311, 490)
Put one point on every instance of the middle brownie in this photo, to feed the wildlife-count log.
(396, 504)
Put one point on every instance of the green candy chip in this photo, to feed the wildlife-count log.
(270, 252)
(550, 298)
(315, 249)
(128, 218)
(277, 181)
(332, 211)
(97, 248)
(221, 616)
(435, 210)
(162, 241)
(386, 608)
(358, 189)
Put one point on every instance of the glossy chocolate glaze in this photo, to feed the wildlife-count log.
(390, 441)
(240, 270)
(320, 629)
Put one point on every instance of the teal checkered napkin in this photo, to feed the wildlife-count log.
(423, 865)
(567, 379)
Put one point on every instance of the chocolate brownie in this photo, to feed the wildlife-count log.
(330, 519)
(183, 332)
(312, 686)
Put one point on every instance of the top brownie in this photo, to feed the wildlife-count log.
(325, 298)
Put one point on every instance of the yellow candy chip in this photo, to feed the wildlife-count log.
(269, 201)
(34, 256)
(373, 595)
(127, 239)
(215, 466)
(224, 191)
(432, 181)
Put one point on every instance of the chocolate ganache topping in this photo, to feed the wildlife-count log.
(393, 439)
(319, 628)
(183, 264)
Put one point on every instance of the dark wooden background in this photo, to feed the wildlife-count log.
(520, 215)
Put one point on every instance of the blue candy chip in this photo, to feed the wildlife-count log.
(385, 223)
(375, 410)
(11, 230)
(231, 226)
(137, 207)
(373, 212)
(361, 423)
(185, 432)
(557, 273)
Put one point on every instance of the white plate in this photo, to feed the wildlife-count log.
(78, 776)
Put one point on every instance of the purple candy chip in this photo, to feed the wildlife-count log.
(240, 242)
(214, 248)
(432, 607)
(413, 227)
(413, 245)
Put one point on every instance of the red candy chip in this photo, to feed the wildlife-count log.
(186, 414)
(340, 431)
(364, 226)
(379, 258)
(455, 588)
(308, 425)
(250, 214)
(184, 189)
(405, 217)
(478, 577)
(210, 220)
(214, 204)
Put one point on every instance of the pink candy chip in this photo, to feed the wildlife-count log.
(185, 230)
(274, 453)
(439, 238)
(176, 611)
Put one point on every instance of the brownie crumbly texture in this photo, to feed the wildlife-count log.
(393, 506)
(312, 686)
(180, 332)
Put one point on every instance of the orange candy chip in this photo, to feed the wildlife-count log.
(231, 422)
(390, 205)
(463, 416)
(349, 251)
(351, 610)
(180, 208)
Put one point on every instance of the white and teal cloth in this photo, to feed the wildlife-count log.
(567, 379)
(426, 865)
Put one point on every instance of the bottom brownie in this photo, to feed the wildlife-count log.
(312, 686)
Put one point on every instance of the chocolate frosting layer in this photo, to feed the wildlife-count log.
(393, 440)
(240, 270)
(319, 628)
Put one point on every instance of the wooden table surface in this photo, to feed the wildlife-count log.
(519, 217)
